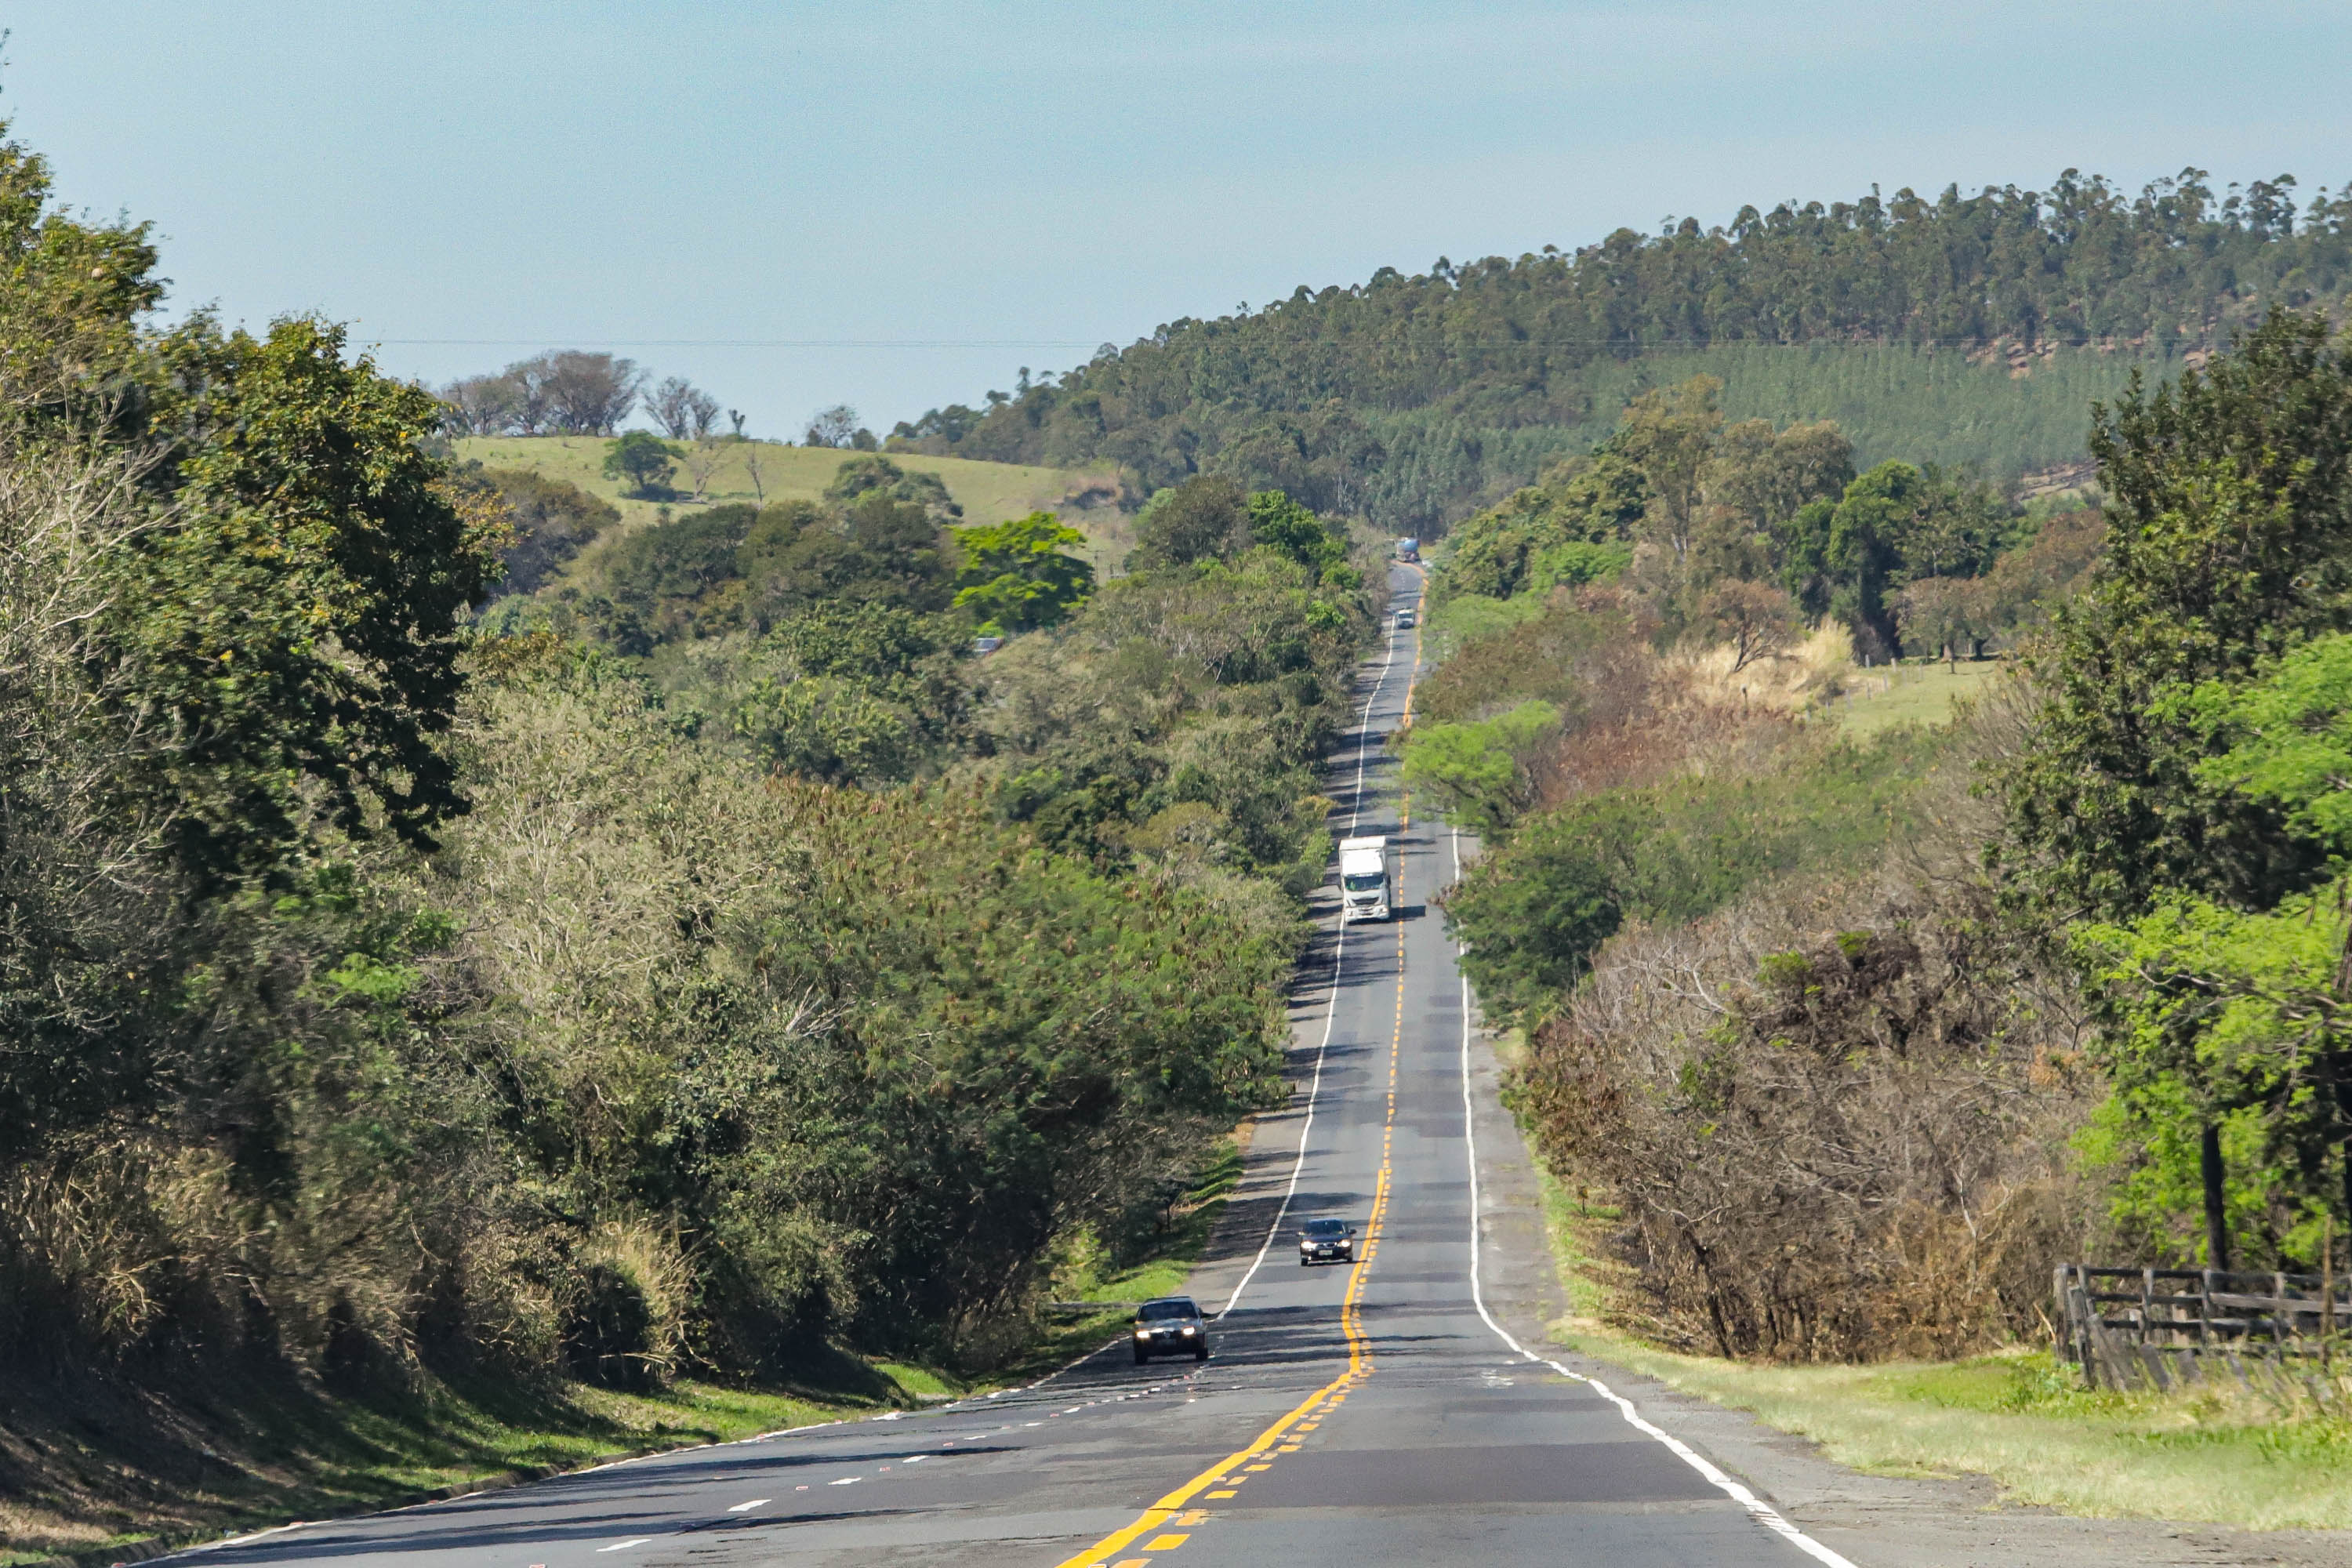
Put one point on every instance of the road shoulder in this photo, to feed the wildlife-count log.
(1877, 1521)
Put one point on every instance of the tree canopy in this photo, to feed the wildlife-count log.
(1398, 396)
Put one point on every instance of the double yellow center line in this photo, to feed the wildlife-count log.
(1226, 1477)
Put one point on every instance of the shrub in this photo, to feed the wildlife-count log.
(1532, 911)
(1834, 1121)
(625, 1314)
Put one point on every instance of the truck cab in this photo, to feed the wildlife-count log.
(1367, 880)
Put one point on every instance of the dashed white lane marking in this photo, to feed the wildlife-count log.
(748, 1507)
(624, 1545)
(1762, 1512)
(914, 1458)
(1330, 1008)
(845, 1481)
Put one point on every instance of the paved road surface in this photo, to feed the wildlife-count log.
(1363, 1415)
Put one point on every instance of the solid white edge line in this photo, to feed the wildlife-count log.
(1330, 1007)
(1762, 1512)
(241, 1539)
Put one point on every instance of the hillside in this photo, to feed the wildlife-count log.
(1957, 329)
(1087, 498)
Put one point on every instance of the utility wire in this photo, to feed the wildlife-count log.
(1439, 338)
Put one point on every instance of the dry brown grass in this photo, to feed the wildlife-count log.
(1835, 1116)
(1790, 681)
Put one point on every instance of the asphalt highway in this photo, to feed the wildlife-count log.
(1361, 1415)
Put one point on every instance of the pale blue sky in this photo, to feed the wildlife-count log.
(1039, 178)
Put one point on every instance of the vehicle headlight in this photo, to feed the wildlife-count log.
(1143, 1333)
(1190, 1329)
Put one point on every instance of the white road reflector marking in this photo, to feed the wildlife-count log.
(747, 1507)
(624, 1545)
(1762, 1512)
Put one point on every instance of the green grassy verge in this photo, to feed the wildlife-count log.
(95, 1465)
(2019, 1417)
(100, 1466)
(1470, 617)
(1158, 1268)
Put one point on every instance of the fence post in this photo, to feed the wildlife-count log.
(2147, 1302)
(2062, 1326)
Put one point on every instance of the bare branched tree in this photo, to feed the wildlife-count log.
(582, 393)
(1757, 619)
(683, 410)
(484, 405)
(701, 461)
(834, 426)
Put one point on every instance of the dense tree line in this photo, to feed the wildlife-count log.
(1861, 1038)
(1688, 532)
(1385, 395)
(718, 965)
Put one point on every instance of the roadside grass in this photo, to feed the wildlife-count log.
(100, 1466)
(2217, 1456)
(1469, 617)
(90, 1466)
(988, 492)
(1919, 693)
(1160, 1269)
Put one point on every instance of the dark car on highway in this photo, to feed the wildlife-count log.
(1171, 1325)
(1326, 1241)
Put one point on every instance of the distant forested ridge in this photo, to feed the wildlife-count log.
(1413, 399)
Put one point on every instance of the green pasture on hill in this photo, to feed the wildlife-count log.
(988, 492)
(1912, 693)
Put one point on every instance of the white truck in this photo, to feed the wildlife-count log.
(1367, 880)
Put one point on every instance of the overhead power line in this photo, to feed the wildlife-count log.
(740, 342)
(1438, 337)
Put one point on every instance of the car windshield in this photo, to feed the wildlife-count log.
(1327, 1227)
(1365, 882)
(1157, 1311)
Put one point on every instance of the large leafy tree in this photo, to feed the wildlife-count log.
(1018, 575)
(643, 459)
(294, 616)
(2177, 791)
(1201, 519)
(2228, 509)
(2230, 1032)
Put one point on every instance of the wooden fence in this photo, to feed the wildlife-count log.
(2130, 1328)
